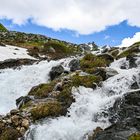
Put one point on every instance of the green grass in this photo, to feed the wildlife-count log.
(135, 136)
(91, 61)
(132, 50)
(2, 28)
(50, 109)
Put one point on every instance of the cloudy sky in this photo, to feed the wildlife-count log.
(110, 22)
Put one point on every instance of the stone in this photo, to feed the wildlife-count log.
(14, 112)
(16, 120)
(74, 65)
(110, 72)
(56, 71)
(132, 61)
(14, 63)
(124, 116)
(25, 123)
(22, 100)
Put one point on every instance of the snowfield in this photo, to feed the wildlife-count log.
(13, 52)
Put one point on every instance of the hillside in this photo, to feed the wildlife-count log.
(2, 28)
(56, 90)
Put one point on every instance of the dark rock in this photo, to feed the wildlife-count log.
(56, 71)
(14, 63)
(14, 112)
(124, 116)
(132, 61)
(135, 86)
(110, 72)
(100, 72)
(74, 65)
(58, 86)
(22, 101)
(2, 44)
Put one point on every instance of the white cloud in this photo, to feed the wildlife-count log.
(82, 16)
(130, 41)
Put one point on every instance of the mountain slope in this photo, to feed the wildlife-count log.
(2, 28)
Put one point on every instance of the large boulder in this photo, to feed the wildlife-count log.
(110, 72)
(125, 118)
(56, 71)
(74, 65)
(132, 61)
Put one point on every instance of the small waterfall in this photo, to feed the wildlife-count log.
(87, 112)
(17, 83)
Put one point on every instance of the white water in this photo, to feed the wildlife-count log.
(17, 83)
(86, 113)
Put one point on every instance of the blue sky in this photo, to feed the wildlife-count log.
(112, 35)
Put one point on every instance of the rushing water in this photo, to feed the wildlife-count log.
(86, 113)
(17, 83)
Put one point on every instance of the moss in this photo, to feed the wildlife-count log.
(50, 109)
(66, 96)
(27, 105)
(132, 50)
(61, 49)
(10, 134)
(86, 81)
(91, 61)
(42, 90)
(135, 136)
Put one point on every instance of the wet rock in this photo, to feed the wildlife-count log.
(56, 71)
(58, 86)
(99, 72)
(124, 116)
(14, 63)
(22, 101)
(135, 86)
(95, 132)
(110, 72)
(74, 65)
(14, 112)
(132, 61)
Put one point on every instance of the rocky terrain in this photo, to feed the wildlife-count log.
(60, 90)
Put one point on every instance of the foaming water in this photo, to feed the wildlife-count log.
(87, 112)
(17, 83)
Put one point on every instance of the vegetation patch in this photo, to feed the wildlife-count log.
(50, 109)
(132, 50)
(2, 28)
(86, 81)
(90, 62)
(42, 90)
(135, 136)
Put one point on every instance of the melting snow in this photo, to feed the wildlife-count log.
(12, 52)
